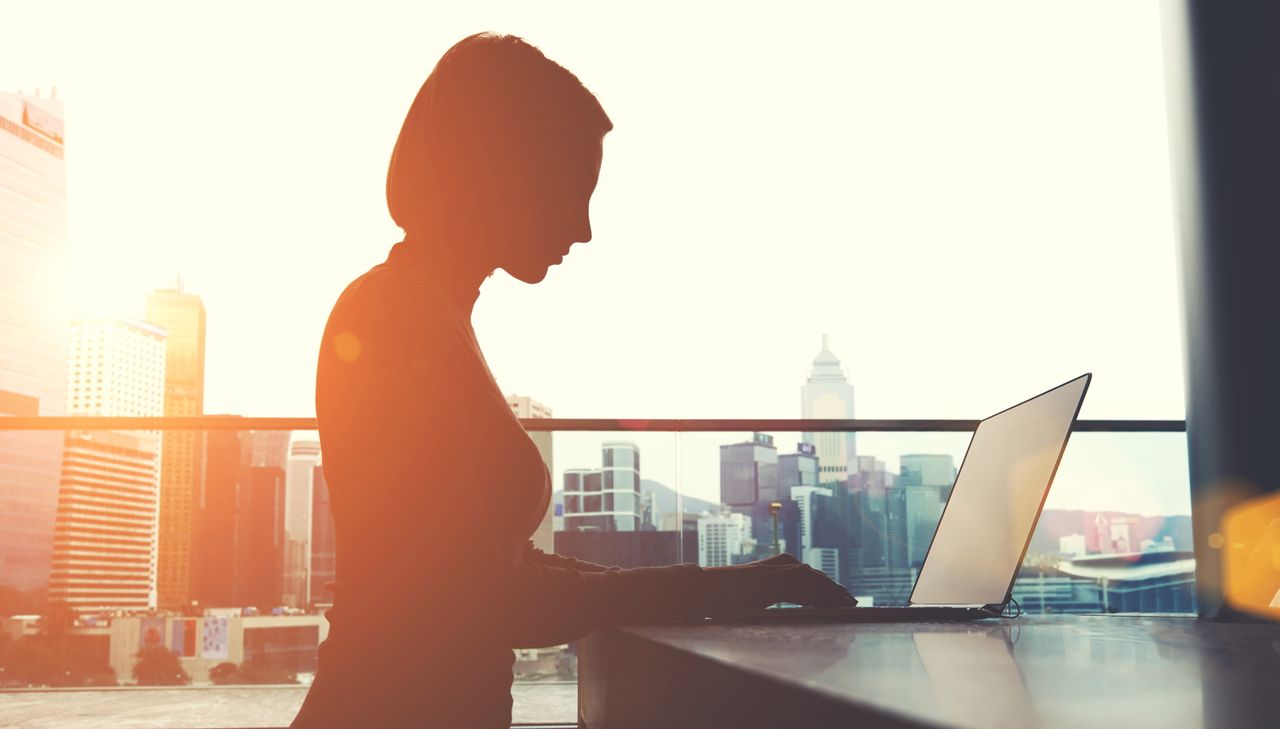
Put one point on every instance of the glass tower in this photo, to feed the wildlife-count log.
(33, 330)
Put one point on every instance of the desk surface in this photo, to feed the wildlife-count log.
(1065, 671)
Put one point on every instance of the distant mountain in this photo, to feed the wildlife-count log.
(1057, 523)
(664, 499)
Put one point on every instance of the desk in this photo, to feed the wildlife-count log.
(1069, 671)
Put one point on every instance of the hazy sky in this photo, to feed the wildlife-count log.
(972, 199)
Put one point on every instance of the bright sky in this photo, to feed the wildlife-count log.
(972, 199)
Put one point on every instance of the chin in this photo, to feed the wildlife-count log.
(529, 274)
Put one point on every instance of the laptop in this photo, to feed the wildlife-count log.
(987, 523)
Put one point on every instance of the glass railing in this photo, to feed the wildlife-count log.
(222, 596)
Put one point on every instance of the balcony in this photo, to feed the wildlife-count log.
(1114, 538)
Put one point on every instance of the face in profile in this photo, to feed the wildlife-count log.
(552, 212)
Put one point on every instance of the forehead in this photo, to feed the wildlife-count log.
(579, 155)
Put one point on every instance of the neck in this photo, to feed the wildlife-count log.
(455, 274)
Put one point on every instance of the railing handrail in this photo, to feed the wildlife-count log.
(657, 425)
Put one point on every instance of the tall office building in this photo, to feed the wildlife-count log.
(749, 472)
(868, 489)
(526, 408)
(723, 539)
(608, 498)
(868, 472)
(323, 554)
(811, 503)
(267, 448)
(923, 509)
(238, 551)
(824, 559)
(648, 511)
(213, 544)
(827, 395)
(260, 538)
(797, 469)
(304, 457)
(749, 485)
(33, 330)
(182, 315)
(927, 479)
(104, 554)
(805, 498)
(926, 469)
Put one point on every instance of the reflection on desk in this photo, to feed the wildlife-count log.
(1044, 671)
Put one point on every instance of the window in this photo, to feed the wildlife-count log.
(841, 202)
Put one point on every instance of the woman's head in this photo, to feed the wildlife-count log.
(498, 157)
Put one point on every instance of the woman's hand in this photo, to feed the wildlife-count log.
(778, 579)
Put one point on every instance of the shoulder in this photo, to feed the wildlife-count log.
(389, 326)
(394, 305)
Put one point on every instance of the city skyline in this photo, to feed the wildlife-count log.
(1147, 480)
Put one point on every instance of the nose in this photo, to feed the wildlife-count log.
(583, 232)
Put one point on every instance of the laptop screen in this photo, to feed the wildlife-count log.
(996, 500)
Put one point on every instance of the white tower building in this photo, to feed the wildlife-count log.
(722, 537)
(304, 456)
(827, 395)
(605, 499)
(104, 554)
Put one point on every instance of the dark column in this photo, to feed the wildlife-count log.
(1223, 60)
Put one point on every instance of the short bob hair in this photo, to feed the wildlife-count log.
(493, 110)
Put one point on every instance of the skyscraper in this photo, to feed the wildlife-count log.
(607, 499)
(182, 315)
(238, 555)
(827, 395)
(927, 479)
(749, 486)
(811, 504)
(927, 469)
(797, 469)
(749, 472)
(526, 407)
(304, 457)
(104, 554)
(33, 330)
(805, 496)
(214, 545)
(323, 556)
(723, 539)
(260, 538)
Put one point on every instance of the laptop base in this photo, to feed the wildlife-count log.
(914, 614)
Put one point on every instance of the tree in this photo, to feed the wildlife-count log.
(100, 676)
(54, 631)
(159, 666)
(7, 646)
(258, 670)
(31, 663)
(567, 666)
(225, 673)
(57, 620)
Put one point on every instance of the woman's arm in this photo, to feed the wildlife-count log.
(540, 605)
(544, 605)
(537, 556)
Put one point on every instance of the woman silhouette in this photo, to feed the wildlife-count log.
(435, 487)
